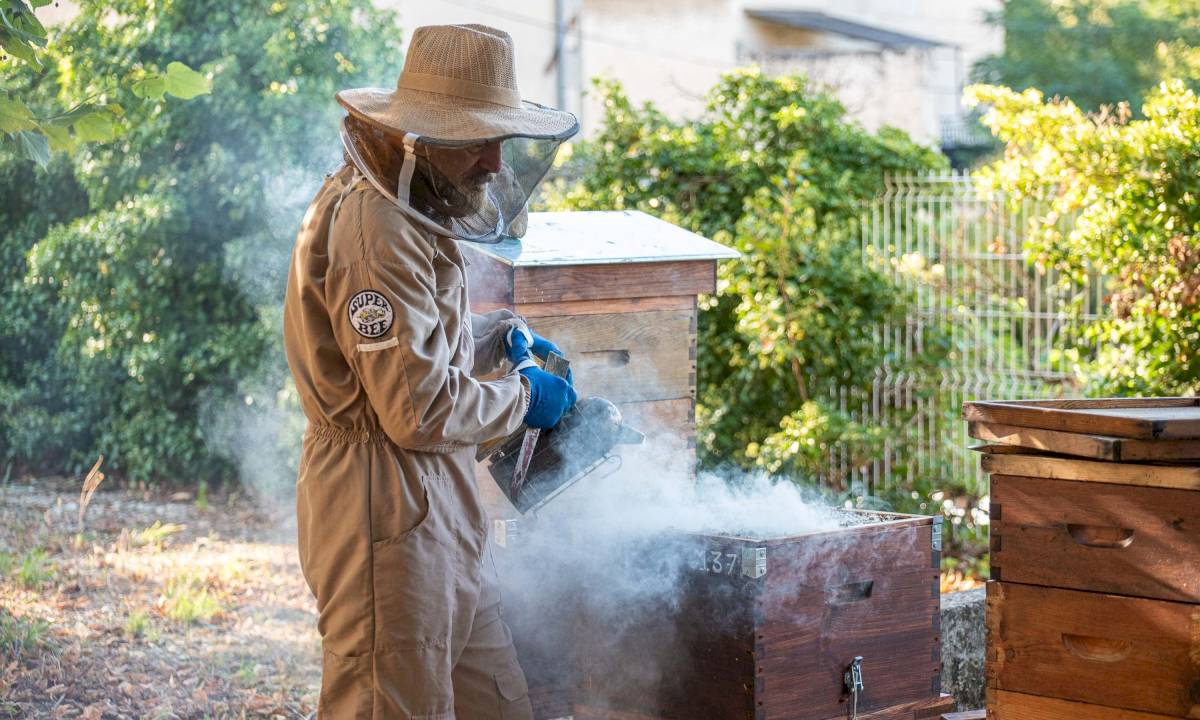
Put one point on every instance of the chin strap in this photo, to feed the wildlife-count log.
(407, 166)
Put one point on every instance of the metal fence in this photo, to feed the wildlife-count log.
(1001, 322)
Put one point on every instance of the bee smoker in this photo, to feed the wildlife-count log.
(582, 440)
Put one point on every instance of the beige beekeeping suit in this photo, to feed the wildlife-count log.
(392, 534)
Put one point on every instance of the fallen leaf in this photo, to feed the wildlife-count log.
(90, 483)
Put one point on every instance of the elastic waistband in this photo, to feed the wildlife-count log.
(366, 435)
(345, 434)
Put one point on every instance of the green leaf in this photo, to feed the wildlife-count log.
(28, 23)
(14, 116)
(18, 48)
(185, 83)
(34, 145)
(22, 24)
(151, 87)
(59, 137)
(95, 126)
(75, 113)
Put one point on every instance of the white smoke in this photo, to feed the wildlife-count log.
(259, 426)
(599, 564)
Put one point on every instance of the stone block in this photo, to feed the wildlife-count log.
(964, 640)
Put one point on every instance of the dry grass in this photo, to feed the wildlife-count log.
(158, 609)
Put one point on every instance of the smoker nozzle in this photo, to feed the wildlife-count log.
(628, 436)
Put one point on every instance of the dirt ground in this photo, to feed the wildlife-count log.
(163, 607)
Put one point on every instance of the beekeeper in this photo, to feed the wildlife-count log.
(387, 359)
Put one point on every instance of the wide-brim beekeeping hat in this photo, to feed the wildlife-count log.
(458, 89)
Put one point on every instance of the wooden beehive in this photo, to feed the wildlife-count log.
(754, 629)
(617, 291)
(766, 629)
(1094, 602)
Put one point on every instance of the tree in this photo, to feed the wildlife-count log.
(90, 119)
(774, 169)
(143, 277)
(1130, 188)
(1095, 52)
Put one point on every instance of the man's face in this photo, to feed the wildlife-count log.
(460, 175)
(470, 167)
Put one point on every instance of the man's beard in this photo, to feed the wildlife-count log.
(474, 191)
(453, 200)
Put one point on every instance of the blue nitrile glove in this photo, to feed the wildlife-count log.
(520, 342)
(542, 348)
(549, 397)
(517, 342)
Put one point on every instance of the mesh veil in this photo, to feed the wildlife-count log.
(475, 191)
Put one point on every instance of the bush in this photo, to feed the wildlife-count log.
(1130, 186)
(774, 169)
(142, 278)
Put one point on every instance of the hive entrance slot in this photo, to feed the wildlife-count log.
(850, 592)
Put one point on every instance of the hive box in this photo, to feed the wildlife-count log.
(617, 292)
(756, 629)
(1111, 653)
(1094, 605)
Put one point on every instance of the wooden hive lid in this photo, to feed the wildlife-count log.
(1111, 429)
(1140, 418)
(603, 238)
(590, 256)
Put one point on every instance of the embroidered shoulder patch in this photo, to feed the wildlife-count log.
(370, 314)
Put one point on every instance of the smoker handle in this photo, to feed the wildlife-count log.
(1097, 649)
(1100, 536)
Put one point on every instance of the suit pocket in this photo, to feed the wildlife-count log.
(514, 694)
(400, 497)
(346, 687)
(450, 298)
(413, 582)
